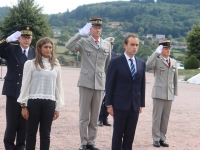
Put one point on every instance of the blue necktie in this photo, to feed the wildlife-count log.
(132, 69)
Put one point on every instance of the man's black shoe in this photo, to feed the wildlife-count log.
(156, 144)
(106, 123)
(82, 147)
(92, 147)
(100, 123)
(163, 143)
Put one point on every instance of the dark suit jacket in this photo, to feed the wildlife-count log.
(122, 92)
(113, 55)
(15, 64)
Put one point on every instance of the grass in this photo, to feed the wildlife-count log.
(188, 72)
(59, 50)
(68, 57)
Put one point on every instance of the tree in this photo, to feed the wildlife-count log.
(193, 40)
(191, 63)
(63, 38)
(26, 12)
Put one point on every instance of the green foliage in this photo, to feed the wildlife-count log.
(3, 12)
(61, 59)
(63, 38)
(144, 51)
(193, 41)
(191, 63)
(191, 2)
(151, 18)
(26, 12)
(187, 77)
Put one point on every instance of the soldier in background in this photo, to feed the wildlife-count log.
(15, 56)
(164, 90)
(103, 115)
(95, 56)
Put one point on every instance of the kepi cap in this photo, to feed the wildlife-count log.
(96, 21)
(165, 43)
(26, 30)
(110, 39)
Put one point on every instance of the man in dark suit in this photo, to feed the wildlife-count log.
(125, 93)
(15, 56)
(103, 115)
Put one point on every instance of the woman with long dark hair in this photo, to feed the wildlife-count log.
(41, 94)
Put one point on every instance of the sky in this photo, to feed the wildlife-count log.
(56, 6)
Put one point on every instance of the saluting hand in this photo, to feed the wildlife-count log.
(14, 36)
(86, 29)
(56, 115)
(25, 113)
(110, 110)
(159, 49)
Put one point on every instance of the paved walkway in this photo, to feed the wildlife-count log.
(183, 130)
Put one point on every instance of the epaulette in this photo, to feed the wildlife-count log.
(2, 41)
(14, 44)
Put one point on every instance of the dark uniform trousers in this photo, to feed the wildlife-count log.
(16, 125)
(103, 115)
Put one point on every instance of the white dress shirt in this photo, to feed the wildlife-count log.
(129, 62)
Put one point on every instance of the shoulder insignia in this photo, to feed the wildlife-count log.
(14, 44)
(1, 41)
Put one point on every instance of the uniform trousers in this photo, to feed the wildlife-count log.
(103, 115)
(89, 106)
(15, 125)
(41, 112)
(160, 117)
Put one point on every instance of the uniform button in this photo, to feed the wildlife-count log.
(17, 82)
(19, 74)
(17, 65)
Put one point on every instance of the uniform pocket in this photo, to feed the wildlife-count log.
(84, 71)
(10, 78)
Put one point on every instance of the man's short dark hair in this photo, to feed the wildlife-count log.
(128, 36)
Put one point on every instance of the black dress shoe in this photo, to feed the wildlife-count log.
(100, 123)
(163, 143)
(92, 147)
(106, 123)
(82, 147)
(156, 144)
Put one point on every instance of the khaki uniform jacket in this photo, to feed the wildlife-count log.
(166, 78)
(94, 60)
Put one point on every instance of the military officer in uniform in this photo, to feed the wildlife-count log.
(95, 56)
(15, 56)
(103, 115)
(164, 90)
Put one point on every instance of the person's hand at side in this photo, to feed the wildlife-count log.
(56, 115)
(25, 113)
(140, 111)
(159, 49)
(110, 110)
(13, 37)
(86, 29)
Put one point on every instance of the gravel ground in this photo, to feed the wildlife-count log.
(183, 129)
